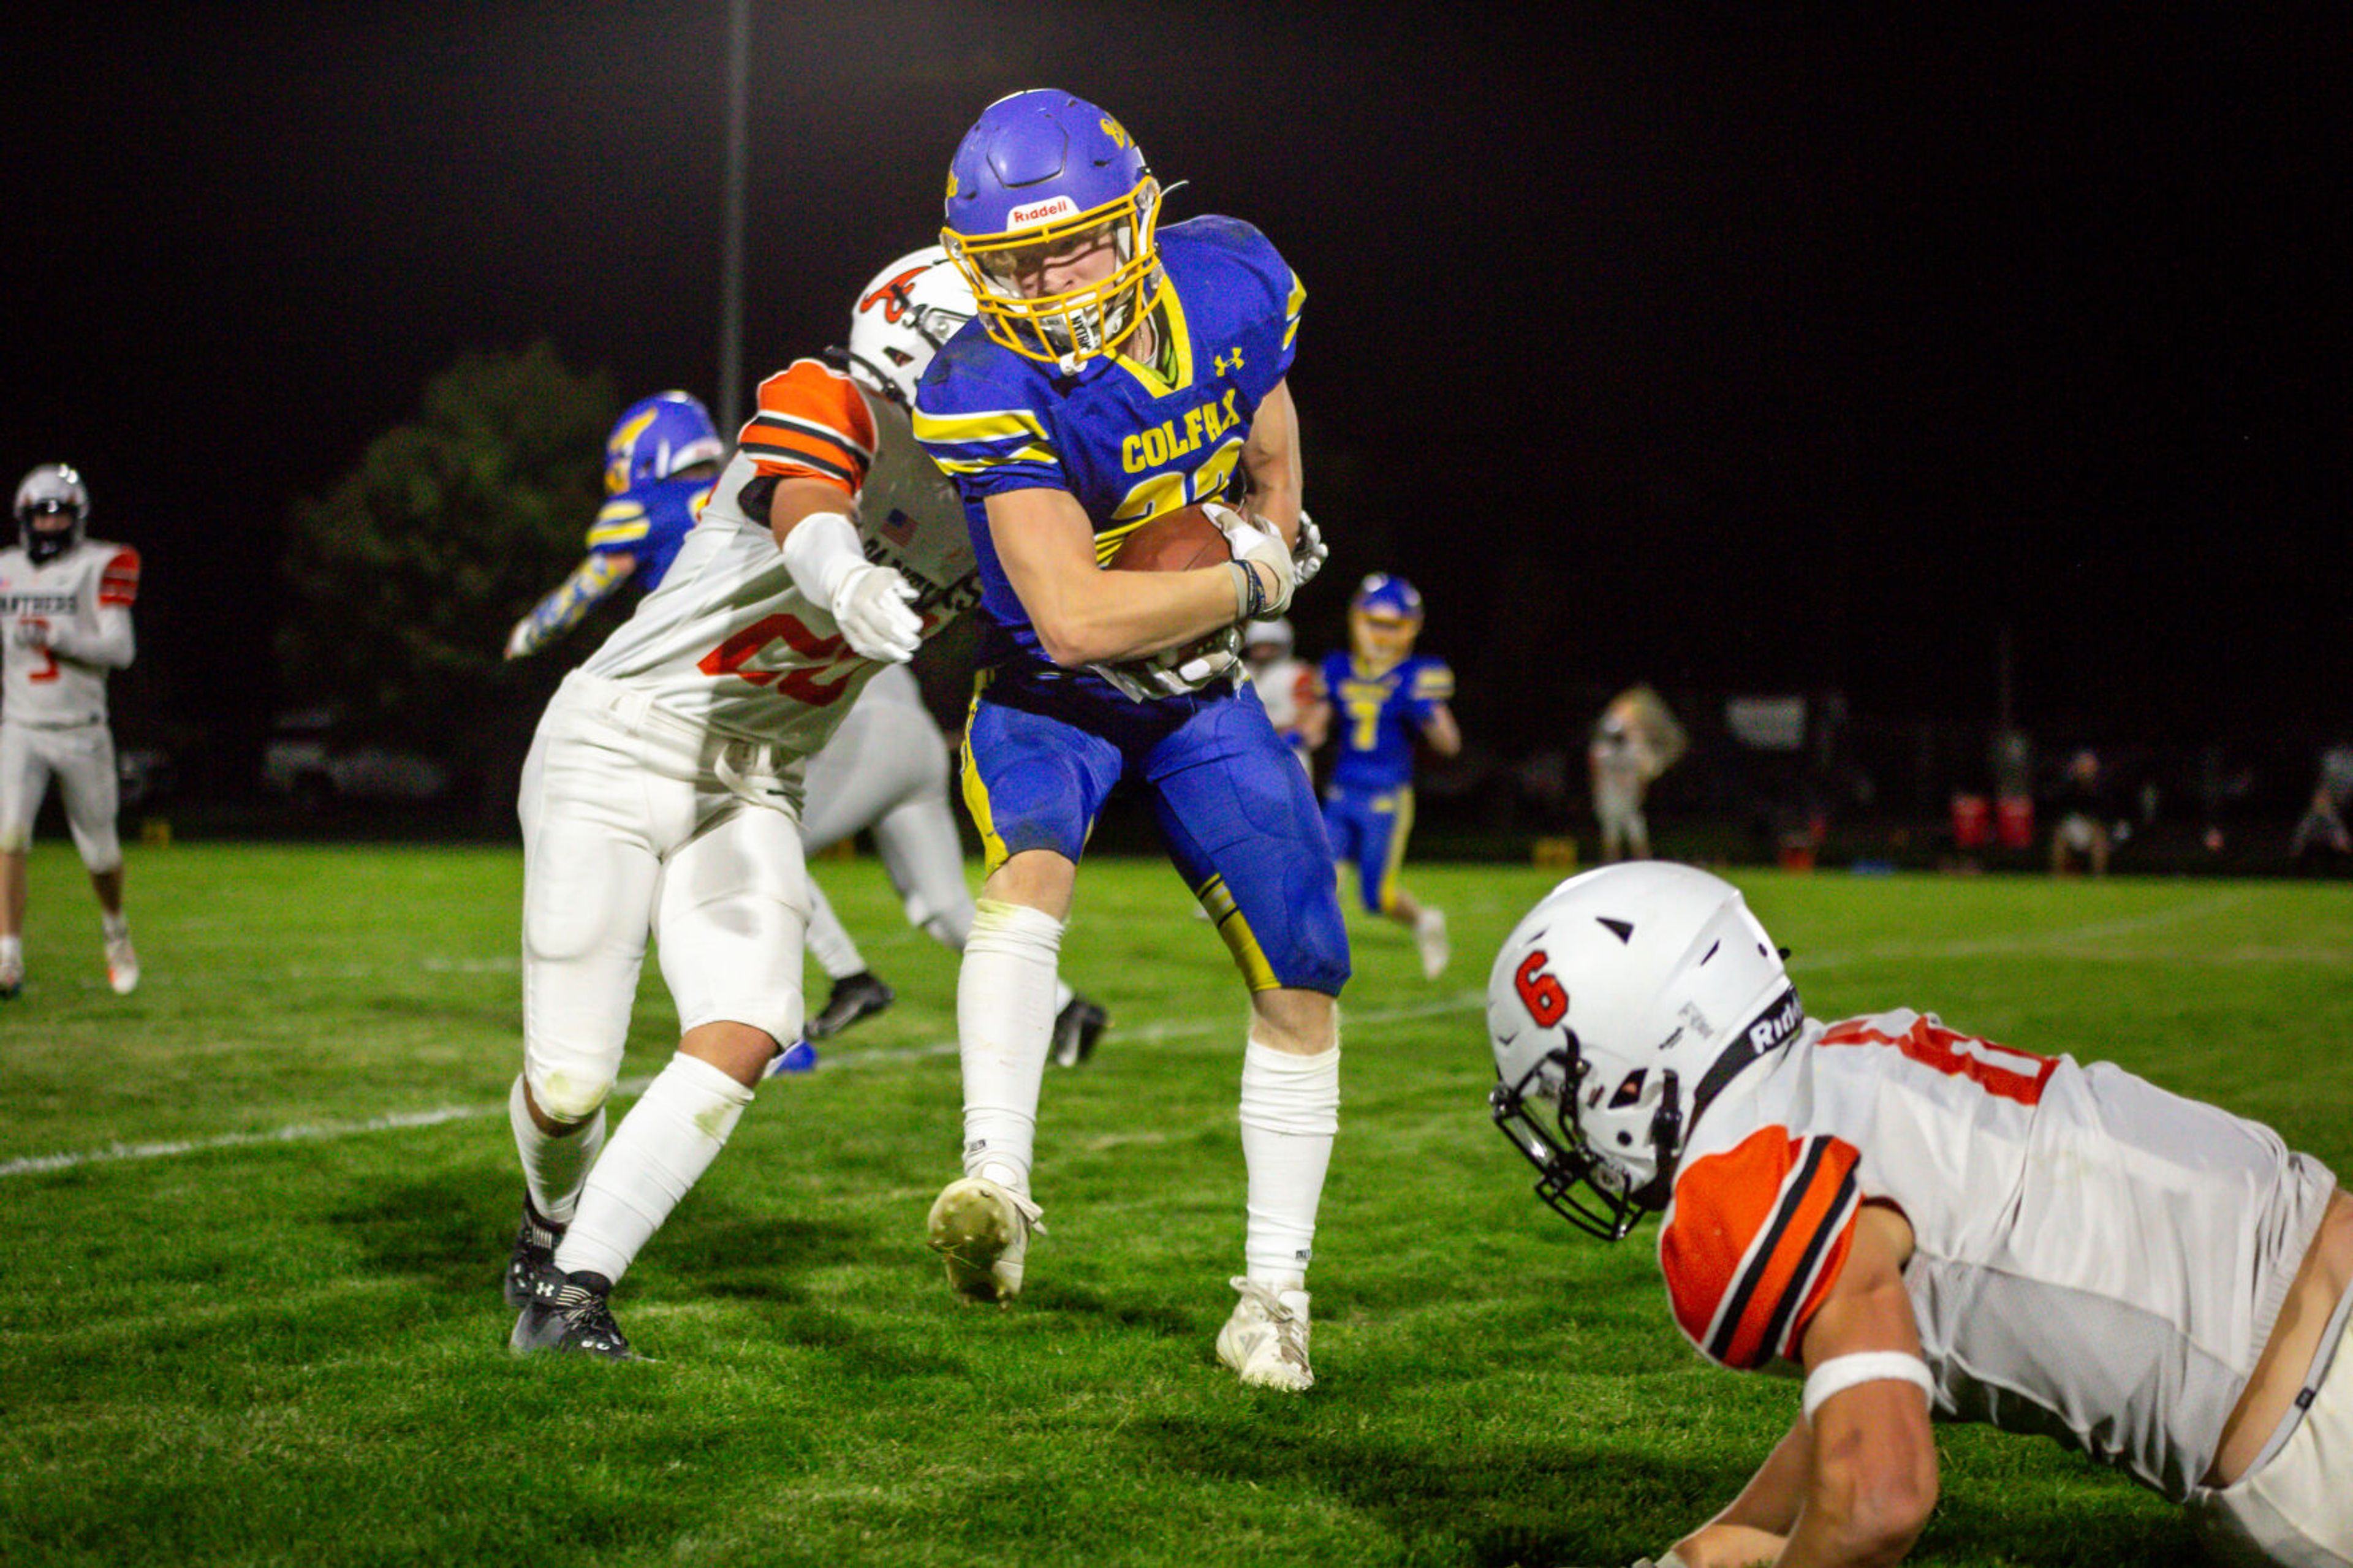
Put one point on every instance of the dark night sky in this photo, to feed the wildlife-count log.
(1654, 342)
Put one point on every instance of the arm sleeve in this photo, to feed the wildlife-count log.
(592, 581)
(1757, 1236)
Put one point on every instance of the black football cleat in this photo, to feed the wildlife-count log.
(855, 996)
(531, 1267)
(1077, 1027)
(572, 1318)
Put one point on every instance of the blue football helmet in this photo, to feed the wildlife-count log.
(656, 438)
(53, 489)
(1384, 619)
(1043, 178)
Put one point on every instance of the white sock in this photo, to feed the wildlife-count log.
(553, 1168)
(829, 940)
(1290, 1115)
(113, 927)
(1005, 1024)
(13, 947)
(660, 1150)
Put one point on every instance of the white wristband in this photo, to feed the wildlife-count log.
(821, 550)
(1842, 1373)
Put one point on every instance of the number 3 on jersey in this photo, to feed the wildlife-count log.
(802, 683)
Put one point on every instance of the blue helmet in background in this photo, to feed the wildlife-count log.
(656, 438)
(1383, 594)
(1043, 175)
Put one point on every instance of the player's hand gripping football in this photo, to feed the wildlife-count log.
(33, 631)
(1261, 552)
(1308, 552)
(1177, 671)
(871, 606)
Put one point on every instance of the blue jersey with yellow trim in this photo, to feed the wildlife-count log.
(648, 522)
(1128, 444)
(1380, 716)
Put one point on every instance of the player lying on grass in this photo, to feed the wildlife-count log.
(1931, 1226)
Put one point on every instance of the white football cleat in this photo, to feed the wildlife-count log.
(1430, 937)
(1266, 1339)
(121, 967)
(981, 1230)
(12, 976)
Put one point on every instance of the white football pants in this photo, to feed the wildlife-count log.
(80, 757)
(637, 821)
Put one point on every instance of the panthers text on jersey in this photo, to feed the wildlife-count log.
(1377, 717)
(1126, 443)
(85, 597)
(728, 641)
(2096, 1260)
(648, 524)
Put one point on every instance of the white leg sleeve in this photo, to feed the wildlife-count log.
(553, 1168)
(1004, 1022)
(829, 941)
(661, 1149)
(1290, 1115)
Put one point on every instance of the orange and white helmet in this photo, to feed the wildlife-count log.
(903, 315)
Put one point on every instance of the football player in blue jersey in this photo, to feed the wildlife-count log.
(1386, 696)
(659, 462)
(1116, 372)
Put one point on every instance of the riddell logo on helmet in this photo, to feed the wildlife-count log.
(1777, 1025)
(1060, 206)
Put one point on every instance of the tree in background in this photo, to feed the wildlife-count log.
(402, 580)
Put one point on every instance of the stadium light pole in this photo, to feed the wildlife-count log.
(731, 262)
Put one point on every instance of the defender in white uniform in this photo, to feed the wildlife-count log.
(663, 793)
(887, 769)
(65, 602)
(1931, 1226)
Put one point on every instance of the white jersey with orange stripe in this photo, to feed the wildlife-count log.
(727, 641)
(2096, 1260)
(82, 602)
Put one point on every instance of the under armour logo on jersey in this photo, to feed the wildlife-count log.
(1226, 367)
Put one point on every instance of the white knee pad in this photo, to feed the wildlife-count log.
(568, 1091)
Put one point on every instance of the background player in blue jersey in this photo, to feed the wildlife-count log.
(1384, 696)
(659, 462)
(1115, 374)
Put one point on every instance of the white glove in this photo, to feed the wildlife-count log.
(870, 605)
(521, 640)
(868, 602)
(1265, 595)
(1177, 671)
(32, 632)
(1307, 553)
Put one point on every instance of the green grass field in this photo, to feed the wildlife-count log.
(252, 1221)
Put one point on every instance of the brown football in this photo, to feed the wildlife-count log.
(1173, 542)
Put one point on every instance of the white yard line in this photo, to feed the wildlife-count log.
(326, 1131)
